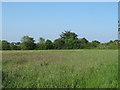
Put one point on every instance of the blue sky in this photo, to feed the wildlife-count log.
(92, 20)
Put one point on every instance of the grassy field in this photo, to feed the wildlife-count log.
(60, 69)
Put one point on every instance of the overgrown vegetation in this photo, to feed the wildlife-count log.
(67, 40)
(60, 69)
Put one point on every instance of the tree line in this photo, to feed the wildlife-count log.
(67, 40)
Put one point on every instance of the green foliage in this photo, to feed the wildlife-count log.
(89, 45)
(68, 35)
(0, 45)
(83, 43)
(41, 40)
(59, 43)
(27, 43)
(69, 43)
(13, 46)
(95, 43)
(48, 44)
(72, 43)
(40, 46)
(18, 45)
(5, 45)
(76, 44)
(67, 40)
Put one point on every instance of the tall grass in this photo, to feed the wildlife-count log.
(60, 69)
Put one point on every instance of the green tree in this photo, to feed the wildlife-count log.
(27, 43)
(95, 43)
(5, 45)
(48, 44)
(41, 44)
(116, 42)
(89, 45)
(0, 45)
(83, 43)
(41, 40)
(59, 43)
(110, 42)
(18, 45)
(72, 43)
(68, 35)
(69, 43)
(13, 46)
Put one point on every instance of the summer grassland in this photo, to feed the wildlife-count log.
(60, 69)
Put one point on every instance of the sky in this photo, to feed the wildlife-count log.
(119, 18)
(119, 10)
(92, 20)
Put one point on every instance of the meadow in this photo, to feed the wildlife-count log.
(60, 69)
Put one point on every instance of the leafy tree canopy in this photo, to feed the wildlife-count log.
(41, 40)
(68, 35)
(48, 44)
(5, 45)
(27, 43)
